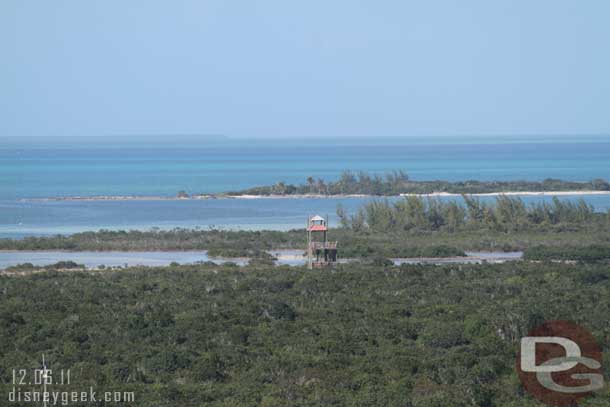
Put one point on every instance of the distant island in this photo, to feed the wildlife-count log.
(395, 183)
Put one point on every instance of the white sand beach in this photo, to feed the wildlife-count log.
(311, 196)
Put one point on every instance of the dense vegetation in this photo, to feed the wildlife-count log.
(217, 241)
(418, 336)
(398, 182)
(60, 265)
(359, 335)
(586, 253)
(505, 215)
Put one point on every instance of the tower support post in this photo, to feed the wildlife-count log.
(309, 248)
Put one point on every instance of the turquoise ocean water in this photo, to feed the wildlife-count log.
(59, 168)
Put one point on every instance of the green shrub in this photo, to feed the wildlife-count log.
(585, 253)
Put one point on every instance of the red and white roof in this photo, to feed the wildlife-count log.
(317, 224)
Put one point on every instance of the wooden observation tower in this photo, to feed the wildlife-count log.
(320, 252)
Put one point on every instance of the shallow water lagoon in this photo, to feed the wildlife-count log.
(93, 260)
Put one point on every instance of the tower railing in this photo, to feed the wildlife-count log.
(323, 245)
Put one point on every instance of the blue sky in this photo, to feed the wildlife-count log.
(310, 68)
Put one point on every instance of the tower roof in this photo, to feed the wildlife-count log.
(317, 224)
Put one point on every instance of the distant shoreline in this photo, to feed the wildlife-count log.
(306, 196)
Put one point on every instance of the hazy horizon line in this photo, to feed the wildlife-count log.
(197, 137)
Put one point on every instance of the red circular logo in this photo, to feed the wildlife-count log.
(559, 363)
